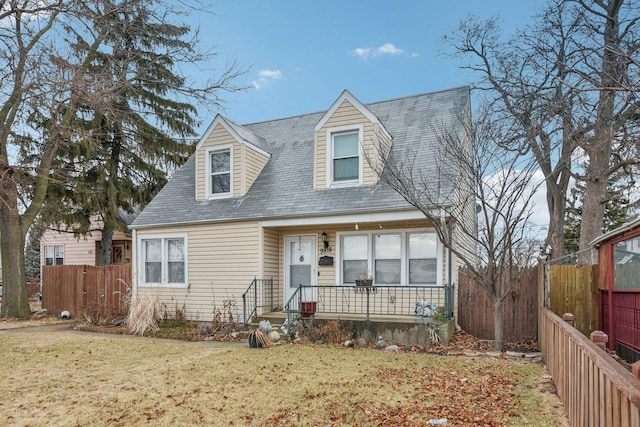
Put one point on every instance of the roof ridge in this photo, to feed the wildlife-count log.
(367, 104)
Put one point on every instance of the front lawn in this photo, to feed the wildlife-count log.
(79, 378)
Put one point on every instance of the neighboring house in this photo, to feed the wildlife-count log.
(619, 287)
(298, 200)
(61, 247)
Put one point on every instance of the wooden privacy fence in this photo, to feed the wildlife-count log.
(574, 289)
(595, 389)
(86, 290)
(475, 310)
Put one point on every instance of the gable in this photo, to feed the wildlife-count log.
(286, 185)
(247, 153)
(349, 116)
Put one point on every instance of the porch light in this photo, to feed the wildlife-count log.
(325, 239)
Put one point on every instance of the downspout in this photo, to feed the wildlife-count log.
(134, 265)
(450, 267)
(610, 279)
(449, 293)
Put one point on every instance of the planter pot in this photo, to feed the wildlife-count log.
(308, 308)
(364, 283)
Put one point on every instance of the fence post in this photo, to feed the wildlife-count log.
(600, 339)
(635, 369)
(569, 318)
(244, 309)
(271, 286)
(368, 292)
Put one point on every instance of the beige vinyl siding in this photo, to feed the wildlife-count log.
(247, 163)
(253, 162)
(218, 137)
(376, 151)
(79, 250)
(346, 115)
(222, 260)
(271, 263)
(327, 274)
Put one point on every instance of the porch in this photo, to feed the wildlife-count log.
(401, 314)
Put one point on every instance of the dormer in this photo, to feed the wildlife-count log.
(351, 145)
(228, 160)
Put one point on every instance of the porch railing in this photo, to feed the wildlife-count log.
(379, 300)
(260, 294)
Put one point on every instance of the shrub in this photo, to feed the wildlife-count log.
(332, 332)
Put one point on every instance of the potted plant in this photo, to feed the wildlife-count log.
(308, 308)
(365, 281)
(308, 305)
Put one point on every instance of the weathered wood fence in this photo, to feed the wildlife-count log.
(475, 310)
(574, 289)
(595, 389)
(86, 290)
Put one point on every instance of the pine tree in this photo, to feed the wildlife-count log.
(32, 251)
(617, 209)
(131, 139)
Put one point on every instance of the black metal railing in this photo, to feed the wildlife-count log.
(379, 300)
(260, 294)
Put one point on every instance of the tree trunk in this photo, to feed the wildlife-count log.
(555, 204)
(599, 148)
(106, 245)
(498, 325)
(15, 302)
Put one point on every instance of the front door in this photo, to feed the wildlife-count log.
(300, 268)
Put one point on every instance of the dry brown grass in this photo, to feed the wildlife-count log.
(76, 378)
(143, 314)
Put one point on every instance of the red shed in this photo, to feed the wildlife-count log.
(619, 288)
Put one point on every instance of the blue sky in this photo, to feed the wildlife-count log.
(302, 54)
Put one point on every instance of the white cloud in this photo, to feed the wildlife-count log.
(362, 52)
(270, 74)
(388, 49)
(265, 77)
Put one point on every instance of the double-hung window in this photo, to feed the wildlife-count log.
(392, 258)
(355, 264)
(54, 255)
(388, 259)
(220, 172)
(422, 259)
(344, 161)
(164, 261)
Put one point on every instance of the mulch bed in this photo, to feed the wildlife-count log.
(460, 340)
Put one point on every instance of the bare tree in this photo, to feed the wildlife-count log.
(564, 83)
(476, 176)
(50, 76)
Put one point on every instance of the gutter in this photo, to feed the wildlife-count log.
(279, 218)
(613, 233)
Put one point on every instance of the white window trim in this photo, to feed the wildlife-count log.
(53, 246)
(164, 260)
(329, 160)
(404, 266)
(208, 190)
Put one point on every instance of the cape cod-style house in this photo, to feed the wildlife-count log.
(288, 214)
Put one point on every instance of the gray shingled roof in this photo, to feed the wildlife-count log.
(284, 188)
(249, 136)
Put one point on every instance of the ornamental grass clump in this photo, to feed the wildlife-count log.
(143, 314)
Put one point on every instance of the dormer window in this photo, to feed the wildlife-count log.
(220, 167)
(344, 156)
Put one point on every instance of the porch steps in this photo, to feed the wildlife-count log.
(276, 319)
